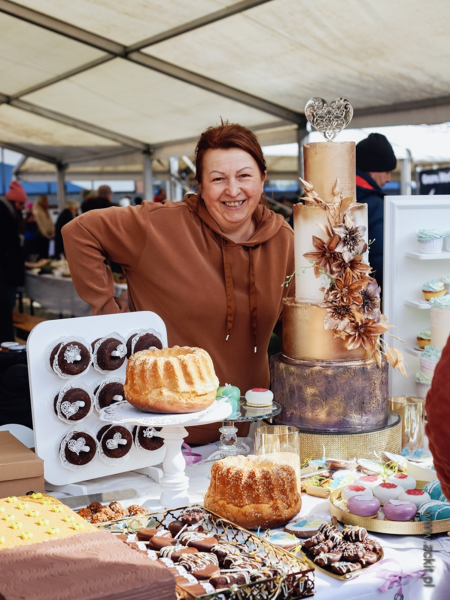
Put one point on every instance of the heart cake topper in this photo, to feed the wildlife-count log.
(78, 445)
(329, 119)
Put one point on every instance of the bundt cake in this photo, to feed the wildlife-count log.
(171, 380)
(254, 491)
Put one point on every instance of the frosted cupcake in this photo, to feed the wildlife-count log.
(430, 241)
(433, 289)
(423, 384)
(446, 280)
(429, 360)
(440, 321)
(424, 339)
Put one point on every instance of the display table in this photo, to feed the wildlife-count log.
(408, 551)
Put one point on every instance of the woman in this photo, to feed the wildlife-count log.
(212, 266)
(70, 211)
(46, 229)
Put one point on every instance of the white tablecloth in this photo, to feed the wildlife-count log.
(408, 551)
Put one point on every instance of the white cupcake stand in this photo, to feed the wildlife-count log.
(49, 430)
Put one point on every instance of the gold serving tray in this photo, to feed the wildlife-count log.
(390, 527)
(298, 584)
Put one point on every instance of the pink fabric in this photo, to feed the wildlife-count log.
(16, 193)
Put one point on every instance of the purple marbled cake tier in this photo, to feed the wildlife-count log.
(346, 397)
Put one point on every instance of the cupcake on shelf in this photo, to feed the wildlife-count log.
(440, 321)
(429, 359)
(108, 353)
(423, 384)
(430, 241)
(446, 280)
(433, 289)
(70, 358)
(423, 339)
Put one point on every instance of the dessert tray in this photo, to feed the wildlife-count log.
(297, 582)
(384, 525)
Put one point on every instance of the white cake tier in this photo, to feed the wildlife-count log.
(307, 221)
(440, 326)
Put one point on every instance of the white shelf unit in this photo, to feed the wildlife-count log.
(405, 270)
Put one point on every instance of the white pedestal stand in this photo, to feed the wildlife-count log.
(174, 482)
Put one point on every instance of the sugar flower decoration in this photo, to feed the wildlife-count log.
(351, 242)
(324, 255)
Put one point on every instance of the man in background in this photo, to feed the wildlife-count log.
(99, 199)
(375, 161)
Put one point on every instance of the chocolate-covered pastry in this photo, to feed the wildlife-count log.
(313, 541)
(187, 536)
(354, 534)
(73, 358)
(369, 558)
(335, 537)
(326, 529)
(146, 533)
(110, 355)
(75, 404)
(195, 562)
(175, 552)
(353, 553)
(135, 509)
(325, 546)
(80, 448)
(95, 507)
(145, 341)
(223, 550)
(341, 568)
(203, 545)
(157, 542)
(328, 558)
(371, 545)
(191, 516)
(116, 441)
(148, 438)
(109, 394)
(220, 582)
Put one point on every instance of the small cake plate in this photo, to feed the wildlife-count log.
(384, 525)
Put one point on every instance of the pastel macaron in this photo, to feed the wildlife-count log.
(399, 510)
(405, 481)
(363, 505)
(387, 491)
(369, 481)
(418, 497)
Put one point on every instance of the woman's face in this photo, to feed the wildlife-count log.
(231, 187)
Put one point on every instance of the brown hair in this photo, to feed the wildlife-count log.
(229, 135)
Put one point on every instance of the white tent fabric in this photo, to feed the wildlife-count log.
(94, 78)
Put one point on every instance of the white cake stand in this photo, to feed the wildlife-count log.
(174, 482)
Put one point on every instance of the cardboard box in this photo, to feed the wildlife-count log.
(21, 470)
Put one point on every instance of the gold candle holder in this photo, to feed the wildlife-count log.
(282, 440)
(411, 410)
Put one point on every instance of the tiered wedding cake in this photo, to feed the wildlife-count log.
(332, 375)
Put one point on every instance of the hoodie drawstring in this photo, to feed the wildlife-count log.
(229, 288)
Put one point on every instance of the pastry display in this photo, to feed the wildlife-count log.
(146, 438)
(433, 289)
(387, 491)
(142, 340)
(405, 481)
(108, 353)
(363, 505)
(370, 481)
(109, 392)
(115, 441)
(77, 449)
(434, 510)
(259, 397)
(175, 380)
(430, 241)
(73, 403)
(254, 491)
(423, 339)
(417, 497)
(440, 321)
(354, 490)
(399, 510)
(70, 358)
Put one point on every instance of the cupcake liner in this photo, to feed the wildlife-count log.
(66, 439)
(422, 389)
(101, 385)
(433, 246)
(97, 346)
(107, 459)
(65, 389)
(65, 340)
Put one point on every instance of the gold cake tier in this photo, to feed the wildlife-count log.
(305, 336)
(327, 161)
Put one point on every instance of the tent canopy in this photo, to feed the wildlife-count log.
(95, 79)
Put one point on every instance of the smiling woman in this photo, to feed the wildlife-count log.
(212, 266)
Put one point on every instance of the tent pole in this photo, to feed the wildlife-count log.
(405, 175)
(176, 191)
(302, 134)
(148, 177)
(60, 171)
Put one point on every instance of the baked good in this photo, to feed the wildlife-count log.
(77, 449)
(423, 339)
(109, 392)
(430, 241)
(146, 438)
(91, 566)
(73, 403)
(70, 358)
(282, 538)
(354, 490)
(115, 441)
(418, 497)
(253, 491)
(440, 321)
(387, 491)
(259, 397)
(171, 380)
(433, 289)
(354, 534)
(434, 510)
(305, 527)
(433, 488)
(142, 340)
(369, 481)
(429, 359)
(405, 481)
(363, 505)
(446, 279)
(108, 353)
(399, 510)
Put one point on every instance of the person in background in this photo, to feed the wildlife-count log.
(137, 200)
(12, 270)
(104, 196)
(90, 201)
(70, 211)
(31, 230)
(160, 196)
(46, 229)
(375, 161)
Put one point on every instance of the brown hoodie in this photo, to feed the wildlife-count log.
(210, 291)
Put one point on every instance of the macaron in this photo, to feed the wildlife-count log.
(259, 397)
(369, 481)
(418, 497)
(387, 491)
(405, 481)
(434, 510)
(399, 510)
(433, 488)
(363, 505)
(354, 490)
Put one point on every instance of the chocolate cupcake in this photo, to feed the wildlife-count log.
(73, 403)
(109, 353)
(142, 340)
(77, 449)
(146, 438)
(69, 359)
(108, 392)
(115, 442)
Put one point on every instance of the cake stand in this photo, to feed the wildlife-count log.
(174, 482)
